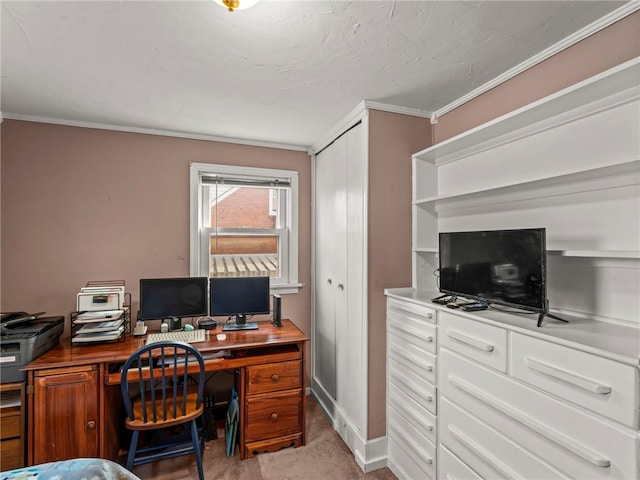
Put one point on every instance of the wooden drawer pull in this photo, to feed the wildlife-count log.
(567, 377)
(91, 424)
(481, 452)
(564, 441)
(274, 377)
(274, 417)
(472, 342)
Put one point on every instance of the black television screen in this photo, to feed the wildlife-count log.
(499, 266)
(238, 296)
(162, 298)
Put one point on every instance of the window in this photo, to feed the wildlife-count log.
(244, 222)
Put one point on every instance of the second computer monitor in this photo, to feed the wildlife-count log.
(238, 297)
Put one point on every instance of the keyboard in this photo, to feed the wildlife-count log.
(188, 336)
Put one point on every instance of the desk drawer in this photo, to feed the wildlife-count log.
(273, 415)
(272, 377)
(598, 384)
(10, 426)
(483, 343)
(11, 454)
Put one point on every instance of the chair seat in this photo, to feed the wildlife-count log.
(138, 423)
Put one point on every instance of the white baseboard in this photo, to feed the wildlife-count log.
(371, 454)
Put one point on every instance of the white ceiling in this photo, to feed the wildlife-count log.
(282, 72)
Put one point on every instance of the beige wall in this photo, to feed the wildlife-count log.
(393, 139)
(82, 204)
(603, 50)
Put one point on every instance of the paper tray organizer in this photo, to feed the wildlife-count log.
(109, 323)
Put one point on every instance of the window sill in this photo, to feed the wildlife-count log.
(286, 288)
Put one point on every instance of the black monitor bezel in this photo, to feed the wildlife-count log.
(193, 280)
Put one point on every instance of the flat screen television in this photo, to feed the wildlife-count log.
(506, 267)
(239, 297)
(173, 298)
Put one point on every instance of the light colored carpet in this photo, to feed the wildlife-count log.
(324, 457)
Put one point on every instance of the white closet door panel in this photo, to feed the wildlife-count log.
(339, 228)
(355, 368)
(568, 438)
(599, 384)
(485, 450)
(324, 350)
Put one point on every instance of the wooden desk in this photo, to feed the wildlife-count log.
(75, 405)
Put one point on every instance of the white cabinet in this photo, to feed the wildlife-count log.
(411, 390)
(512, 400)
(569, 162)
(340, 322)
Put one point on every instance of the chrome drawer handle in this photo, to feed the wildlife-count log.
(567, 377)
(564, 441)
(472, 342)
(481, 452)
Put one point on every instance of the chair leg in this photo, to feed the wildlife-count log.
(196, 448)
(132, 449)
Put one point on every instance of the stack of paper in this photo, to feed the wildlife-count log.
(102, 326)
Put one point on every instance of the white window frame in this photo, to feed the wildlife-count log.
(199, 236)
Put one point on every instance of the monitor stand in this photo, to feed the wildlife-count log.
(240, 323)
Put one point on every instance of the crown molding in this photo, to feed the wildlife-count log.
(565, 43)
(152, 131)
(358, 114)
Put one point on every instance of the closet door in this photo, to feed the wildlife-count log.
(324, 343)
(352, 386)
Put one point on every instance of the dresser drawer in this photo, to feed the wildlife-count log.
(417, 420)
(451, 467)
(422, 364)
(272, 377)
(10, 426)
(598, 384)
(413, 462)
(485, 450)
(413, 332)
(407, 309)
(409, 386)
(483, 343)
(273, 415)
(569, 439)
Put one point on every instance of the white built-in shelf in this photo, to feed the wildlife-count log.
(621, 78)
(565, 181)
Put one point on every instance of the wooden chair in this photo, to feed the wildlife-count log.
(165, 398)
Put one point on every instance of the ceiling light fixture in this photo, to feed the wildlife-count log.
(232, 5)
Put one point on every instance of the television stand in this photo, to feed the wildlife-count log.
(542, 315)
(232, 327)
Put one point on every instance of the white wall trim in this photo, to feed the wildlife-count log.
(342, 126)
(565, 43)
(385, 107)
(152, 131)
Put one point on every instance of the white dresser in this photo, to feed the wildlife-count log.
(411, 394)
(511, 400)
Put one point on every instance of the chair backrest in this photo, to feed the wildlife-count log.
(163, 372)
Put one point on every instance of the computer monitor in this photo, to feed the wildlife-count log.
(238, 297)
(173, 298)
